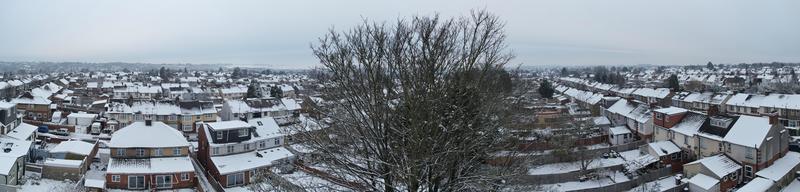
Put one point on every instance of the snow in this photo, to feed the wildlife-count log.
(720, 165)
(703, 181)
(792, 187)
(690, 124)
(63, 163)
(266, 126)
(138, 134)
(577, 185)
(664, 184)
(247, 161)
(601, 121)
(228, 125)
(290, 104)
(756, 185)
(45, 185)
(311, 182)
(566, 167)
(76, 147)
(748, 131)
(663, 148)
(95, 183)
(619, 130)
(671, 110)
(151, 165)
(781, 167)
(18, 149)
(22, 132)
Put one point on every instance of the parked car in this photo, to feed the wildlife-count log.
(62, 132)
(43, 129)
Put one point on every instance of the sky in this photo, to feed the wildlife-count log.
(278, 34)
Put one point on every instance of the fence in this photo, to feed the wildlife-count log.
(548, 158)
(560, 177)
(627, 185)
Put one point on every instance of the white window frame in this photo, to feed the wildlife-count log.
(140, 152)
(215, 150)
(121, 152)
(176, 151)
(230, 149)
(232, 178)
(184, 176)
(243, 132)
(115, 178)
(219, 135)
(748, 171)
(144, 184)
(186, 127)
(164, 183)
(158, 152)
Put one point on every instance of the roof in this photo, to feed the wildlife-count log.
(150, 165)
(95, 183)
(228, 125)
(601, 120)
(703, 181)
(265, 126)
(76, 147)
(690, 124)
(756, 185)
(23, 131)
(663, 148)
(719, 165)
(671, 110)
(619, 130)
(794, 186)
(781, 167)
(138, 134)
(18, 148)
(63, 163)
(749, 131)
(621, 107)
(250, 160)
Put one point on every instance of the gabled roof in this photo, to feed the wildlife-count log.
(138, 134)
(749, 131)
(663, 148)
(703, 181)
(228, 125)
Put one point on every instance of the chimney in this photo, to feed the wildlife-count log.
(712, 110)
(148, 122)
(773, 118)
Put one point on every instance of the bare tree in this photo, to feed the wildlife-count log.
(417, 104)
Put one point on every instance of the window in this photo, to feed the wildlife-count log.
(187, 118)
(157, 152)
(163, 181)
(115, 178)
(230, 148)
(259, 123)
(209, 116)
(748, 153)
(675, 156)
(120, 152)
(187, 128)
(242, 132)
(685, 140)
(173, 117)
(235, 179)
(176, 151)
(219, 134)
(720, 146)
(247, 146)
(728, 147)
(278, 140)
(140, 152)
(216, 150)
(184, 176)
(138, 117)
(748, 171)
(262, 144)
(135, 182)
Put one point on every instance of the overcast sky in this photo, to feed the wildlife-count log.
(278, 34)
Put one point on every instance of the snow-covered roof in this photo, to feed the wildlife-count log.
(138, 134)
(619, 130)
(150, 165)
(250, 160)
(228, 125)
(621, 107)
(771, 100)
(18, 148)
(690, 124)
(601, 120)
(719, 165)
(659, 93)
(265, 126)
(671, 110)
(290, 104)
(703, 181)
(781, 167)
(663, 148)
(748, 131)
(63, 163)
(76, 147)
(792, 187)
(145, 107)
(23, 131)
(757, 185)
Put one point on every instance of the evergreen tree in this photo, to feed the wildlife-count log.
(672, 83)
(546, 89)
(710, 65)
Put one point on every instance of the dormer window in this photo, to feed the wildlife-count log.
(242, 132)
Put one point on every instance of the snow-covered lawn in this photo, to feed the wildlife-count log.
(662, 184)
(33, 185)
(577, 185)
(311, 183)
(575, 166)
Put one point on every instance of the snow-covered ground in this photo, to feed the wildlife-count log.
(33, 185)
(575, 166)
(616, 177)
(662, 184)
(312, 183)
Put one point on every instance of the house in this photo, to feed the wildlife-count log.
(666, 152)
(783, 171)
(34, 107)
(235, 152)
(256, 108)
(719, 171)
(756, 142)
(149, 155)
(785, 106)
(69, 160)
(759, 185)
(658, 96)
(679, 126)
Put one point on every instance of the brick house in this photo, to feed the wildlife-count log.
(149, 155)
